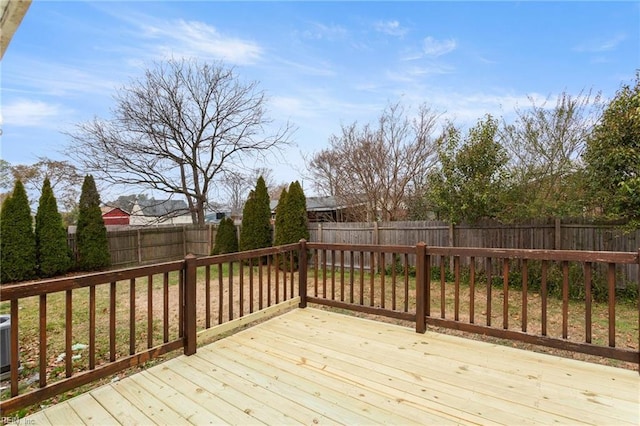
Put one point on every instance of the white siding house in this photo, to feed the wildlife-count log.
(159, 212)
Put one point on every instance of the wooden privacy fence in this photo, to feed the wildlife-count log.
(541, 234)
(130, 316)
(139, 246)
(567, 234)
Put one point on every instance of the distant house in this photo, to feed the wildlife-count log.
(216, 217)
(115, 216)
(159, 212)
(322, 209)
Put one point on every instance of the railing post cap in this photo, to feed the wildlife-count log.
(191, 256)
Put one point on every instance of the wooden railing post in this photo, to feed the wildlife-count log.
(302, 273)
(189, 307)
(421, 319)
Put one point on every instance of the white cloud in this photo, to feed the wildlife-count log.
(312, 67)
(601, 45)
(417, 73)
(61, 79)
(433, 47)
(465, 108)
(30, 113)
(316, 106)
(320, 31)
(392, 28)
(197, 39)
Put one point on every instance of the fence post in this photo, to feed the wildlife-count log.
(184, 241)
(452, 242)
(189, 316)
(421, 318)
(210, 240)
(557, 234)
(139, 247)
(302, 273)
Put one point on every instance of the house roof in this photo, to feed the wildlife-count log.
(109, 209)
(160, 208)
(318, 204)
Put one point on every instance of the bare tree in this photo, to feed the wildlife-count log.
(377, 167)
(64, 178)
(236, 186)
(178, 130)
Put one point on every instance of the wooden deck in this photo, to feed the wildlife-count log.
(314, 367)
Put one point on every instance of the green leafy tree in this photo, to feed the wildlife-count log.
(226, 237)
(613, 156)
(256, 219)
(472, 175)
(17, 240)
(91, 234)
(545, 144)
(52, 251)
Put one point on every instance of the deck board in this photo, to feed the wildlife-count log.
(310, 366)
(90, 411)
(473, 372)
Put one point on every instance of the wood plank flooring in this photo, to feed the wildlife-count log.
(315, 367)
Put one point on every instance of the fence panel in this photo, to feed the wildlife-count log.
(573, 234)
(200, 239)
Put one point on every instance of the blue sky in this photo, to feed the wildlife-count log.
(322, 64)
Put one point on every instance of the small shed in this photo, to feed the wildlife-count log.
(115, 216)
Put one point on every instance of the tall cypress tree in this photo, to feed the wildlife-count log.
(280, 223)
(297, 220)
(52, 251)
(17, 240)
(291, 220)
(256, 219)
(91, 234)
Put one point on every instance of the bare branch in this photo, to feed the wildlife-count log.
(376, 167)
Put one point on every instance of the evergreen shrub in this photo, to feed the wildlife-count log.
(226, 238)
(17, 239)
(91, 233)
(52, 250)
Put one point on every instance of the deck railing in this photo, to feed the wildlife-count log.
(130, 316)
(134, 315)
(428, 285)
